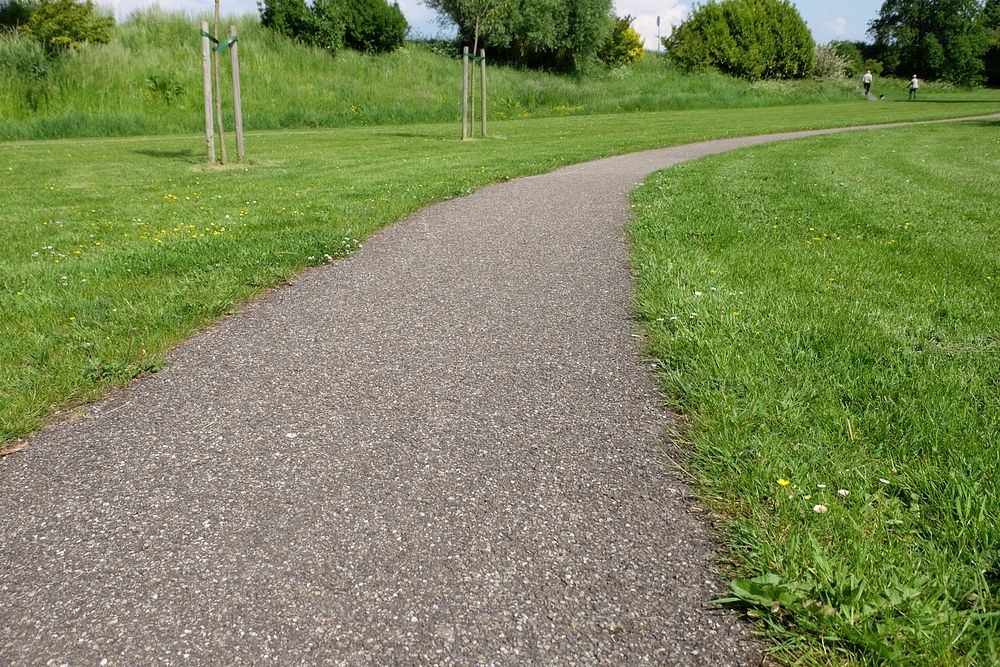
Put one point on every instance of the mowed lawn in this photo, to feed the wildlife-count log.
(825, 316)
(114, 250)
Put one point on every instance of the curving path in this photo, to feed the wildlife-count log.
(444, 449)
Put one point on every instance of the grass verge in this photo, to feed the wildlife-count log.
(825, 313)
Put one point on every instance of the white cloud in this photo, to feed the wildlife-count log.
(835, 28)
(671, 13)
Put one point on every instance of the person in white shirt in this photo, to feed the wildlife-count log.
(867, 80)
(914, 84)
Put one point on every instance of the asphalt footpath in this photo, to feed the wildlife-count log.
(444, 449)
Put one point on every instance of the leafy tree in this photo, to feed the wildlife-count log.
(326, 26)
(61, 24)
(291, 18)
(623, 46)
(373, 26)
(991, 23)
(561, 35)
(364, 25)
(319, 25)
(829, 63)
(474, 18)
(15, 13)
(851, 53)
(752, 39)
(936, 39)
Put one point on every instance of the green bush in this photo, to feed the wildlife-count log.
(829, 63)
(61, 24)
(320, 25)
(851, 52)
(752, 39)
(15, 13)
(623, 46)
(373, 26)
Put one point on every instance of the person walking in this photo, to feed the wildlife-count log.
(867, 81)
(914, 85)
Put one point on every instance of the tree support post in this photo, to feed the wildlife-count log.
(465, 93)
(482, 84)
(237, 96)
(218, 88)
(206, 57)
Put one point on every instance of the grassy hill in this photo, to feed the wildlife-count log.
(147, 80)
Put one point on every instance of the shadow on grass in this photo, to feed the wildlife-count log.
(921, 100)
(169, 155)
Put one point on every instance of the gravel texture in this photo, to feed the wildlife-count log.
(444, 449)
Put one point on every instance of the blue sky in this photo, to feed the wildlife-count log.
(828, 19)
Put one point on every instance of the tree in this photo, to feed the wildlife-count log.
(320, 25)
(61, 24)
(850, 52)
(15, 13)
(364, 25)
(474, 18)
(561, 35)
(829, 63)
(373, 26)
(991, 23)
(623, 45)
(751, 39)
(936, 39)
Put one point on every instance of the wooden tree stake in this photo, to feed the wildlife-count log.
(206, 57)
(237, 96)
(465, 93)
(482, 84)
(218, 89)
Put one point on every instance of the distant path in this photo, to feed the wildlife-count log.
(444, 449)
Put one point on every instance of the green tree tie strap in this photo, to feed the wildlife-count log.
(226, 44)
(223, 45)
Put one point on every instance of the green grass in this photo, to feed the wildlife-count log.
(825, 315)
(115, 249)
(148, 80)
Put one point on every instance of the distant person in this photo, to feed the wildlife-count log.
(914, 85)
(867, 80)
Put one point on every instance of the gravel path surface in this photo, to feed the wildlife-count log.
(444, 449)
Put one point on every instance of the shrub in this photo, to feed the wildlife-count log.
(851, 52)
(373, 26)
(164, 87)
(829, 63)
(623, 46)
(320, 25)
(752, 39)
(61, 24)
(15, 13)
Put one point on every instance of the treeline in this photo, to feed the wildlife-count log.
(949, 40)
(555, 35)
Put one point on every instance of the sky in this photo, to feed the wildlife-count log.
(827, 19)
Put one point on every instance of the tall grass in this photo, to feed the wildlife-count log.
(121, 88)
